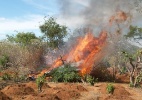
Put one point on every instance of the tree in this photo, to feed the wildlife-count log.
(135, 33)
(23, 38)
(134, 69)
(53, 32)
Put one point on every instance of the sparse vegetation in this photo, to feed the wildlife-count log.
(4, 60)
(110, 88)
(6, 76)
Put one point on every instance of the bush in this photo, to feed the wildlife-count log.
(29, 56)
(40, 81)
(67, 73)
(101, 73)
(23, 78)
(4, 59)
(90, 79)
(123, 70)
(6, 76)
(110, 88)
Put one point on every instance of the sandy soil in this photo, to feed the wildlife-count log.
(69, 91)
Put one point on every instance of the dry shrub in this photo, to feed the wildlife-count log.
(102, 73)
(28, 56)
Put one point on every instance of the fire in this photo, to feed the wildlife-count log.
(85, 51)
(118, 17)
(96, 47)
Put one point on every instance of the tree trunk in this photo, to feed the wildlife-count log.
(135, 82)
(114, 74)
(132, 80)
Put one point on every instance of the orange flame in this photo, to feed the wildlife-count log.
(96, 47)
(86, 49)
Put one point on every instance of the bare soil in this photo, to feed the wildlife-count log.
(69, 91)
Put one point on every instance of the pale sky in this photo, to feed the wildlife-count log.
(27, 15)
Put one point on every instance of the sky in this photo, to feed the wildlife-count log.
(28, 15)
(24, 15)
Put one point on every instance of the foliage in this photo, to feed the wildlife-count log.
(23, 38)
(134, 33)
(66, 73)
(30, 56)
(134, 68)
(123, 70)
(4, 60)
(18, 78)
(131, 84)
(22, 78)
(40, 81)
(110, 88)
(53, 32)
(6, 76)
(90, 79)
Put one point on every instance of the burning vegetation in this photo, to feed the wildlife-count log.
(84, 53)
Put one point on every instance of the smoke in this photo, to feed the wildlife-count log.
(95, 13)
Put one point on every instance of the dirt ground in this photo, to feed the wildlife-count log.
(69, 91)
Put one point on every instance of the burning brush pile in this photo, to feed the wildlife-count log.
(83, 54)
(88, 50)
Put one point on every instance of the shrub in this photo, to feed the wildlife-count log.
(67, 73)
(101, 73)
(110, 88)
(6, 76)
(131, 85)
(40, 81)
(123, 70)
(29, 56)
(4, 59)
(90, 79)
(23, 78)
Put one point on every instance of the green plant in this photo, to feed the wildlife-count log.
(23, 78)
(67, 73)
(22, 38)
(6, 76)
(123, 70)
(4, 60)
(110, 88)
(90, 79)
(40, 81)
(53, 32)
(131, 85)
(134, 69)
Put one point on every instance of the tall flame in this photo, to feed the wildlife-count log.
(85, 51)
